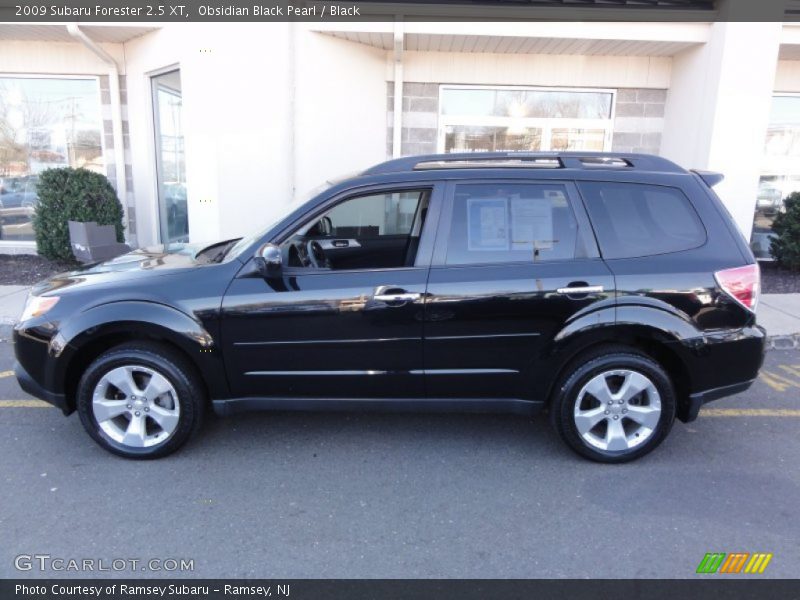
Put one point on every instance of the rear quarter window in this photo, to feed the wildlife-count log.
(633, 219)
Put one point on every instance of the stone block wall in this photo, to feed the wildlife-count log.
(639, 120)
(420, 118)
(109, 154)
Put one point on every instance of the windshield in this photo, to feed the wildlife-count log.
(216, 252)
(245, 242)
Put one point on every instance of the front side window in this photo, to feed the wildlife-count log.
(376, 216)
(44, 123)
(509, 222)
(503, 119)
(633, 220)
(374, 231)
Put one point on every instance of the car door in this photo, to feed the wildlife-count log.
(515, 260)
(351, 329)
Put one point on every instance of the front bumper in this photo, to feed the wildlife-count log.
(31, 386)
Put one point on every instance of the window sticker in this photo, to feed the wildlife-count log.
(531, 223)
(487, 224)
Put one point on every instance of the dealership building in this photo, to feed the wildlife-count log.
(210, 130)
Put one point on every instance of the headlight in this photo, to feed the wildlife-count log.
(36, 306)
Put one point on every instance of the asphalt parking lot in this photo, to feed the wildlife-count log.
(401, 496)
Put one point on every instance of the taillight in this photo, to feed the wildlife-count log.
(742, 284)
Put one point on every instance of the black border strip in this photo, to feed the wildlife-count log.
(711, 587)
(163, 11)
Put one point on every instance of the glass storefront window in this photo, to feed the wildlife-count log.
(171, 170)
(780, 169)
(578, 139)
(44, 123)
(474, 119)
(544, 104)
(465, 138)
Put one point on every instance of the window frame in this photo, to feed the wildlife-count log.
(585, 247)
(427, 235)
(787, 166)
(547, 124)
(782, 168)
(161, 220)
(72, 76)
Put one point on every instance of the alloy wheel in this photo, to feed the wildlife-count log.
(617, 410)
(136, 406)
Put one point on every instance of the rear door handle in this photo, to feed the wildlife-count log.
(390, 293)
(583, 289)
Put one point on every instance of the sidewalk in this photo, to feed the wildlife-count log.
(778, 313)
(12, 301)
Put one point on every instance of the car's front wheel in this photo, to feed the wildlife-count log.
(140, 400)
(614, 405)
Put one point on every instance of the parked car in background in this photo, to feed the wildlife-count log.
(18, 200)
(612, 290)
(770, 198)
(18, 191)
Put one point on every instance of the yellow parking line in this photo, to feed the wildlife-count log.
(24, 404)
(790, 369)
(750, 412)
(780, 378)
(773, 383)
(6, 373)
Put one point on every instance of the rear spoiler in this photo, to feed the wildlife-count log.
(709, 177)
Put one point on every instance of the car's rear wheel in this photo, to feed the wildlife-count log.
(140, 400)
(614, 405)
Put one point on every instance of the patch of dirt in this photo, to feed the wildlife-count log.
(775, 280)
(28, 269)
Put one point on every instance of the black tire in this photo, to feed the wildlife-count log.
(585, 368)
(191, 397)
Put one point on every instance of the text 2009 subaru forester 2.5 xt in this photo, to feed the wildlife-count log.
(614, 291)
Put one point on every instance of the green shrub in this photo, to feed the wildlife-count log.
(785, 247)
(72, 195)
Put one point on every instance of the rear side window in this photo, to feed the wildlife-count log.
(633, 219)
(508, 222)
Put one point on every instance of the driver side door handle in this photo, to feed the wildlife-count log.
(580, 289)
(393, 294)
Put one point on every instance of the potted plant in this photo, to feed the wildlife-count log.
(78, 215)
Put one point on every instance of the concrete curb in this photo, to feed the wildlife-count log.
(783, 342)
(6, 329)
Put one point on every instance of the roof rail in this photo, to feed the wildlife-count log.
(500, 160)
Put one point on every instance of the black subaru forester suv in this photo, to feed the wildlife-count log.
(615, 291)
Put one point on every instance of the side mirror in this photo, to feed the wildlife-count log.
(327, 225)
(269, 260)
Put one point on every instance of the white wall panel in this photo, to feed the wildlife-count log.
(787, 76)
(537, 69)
